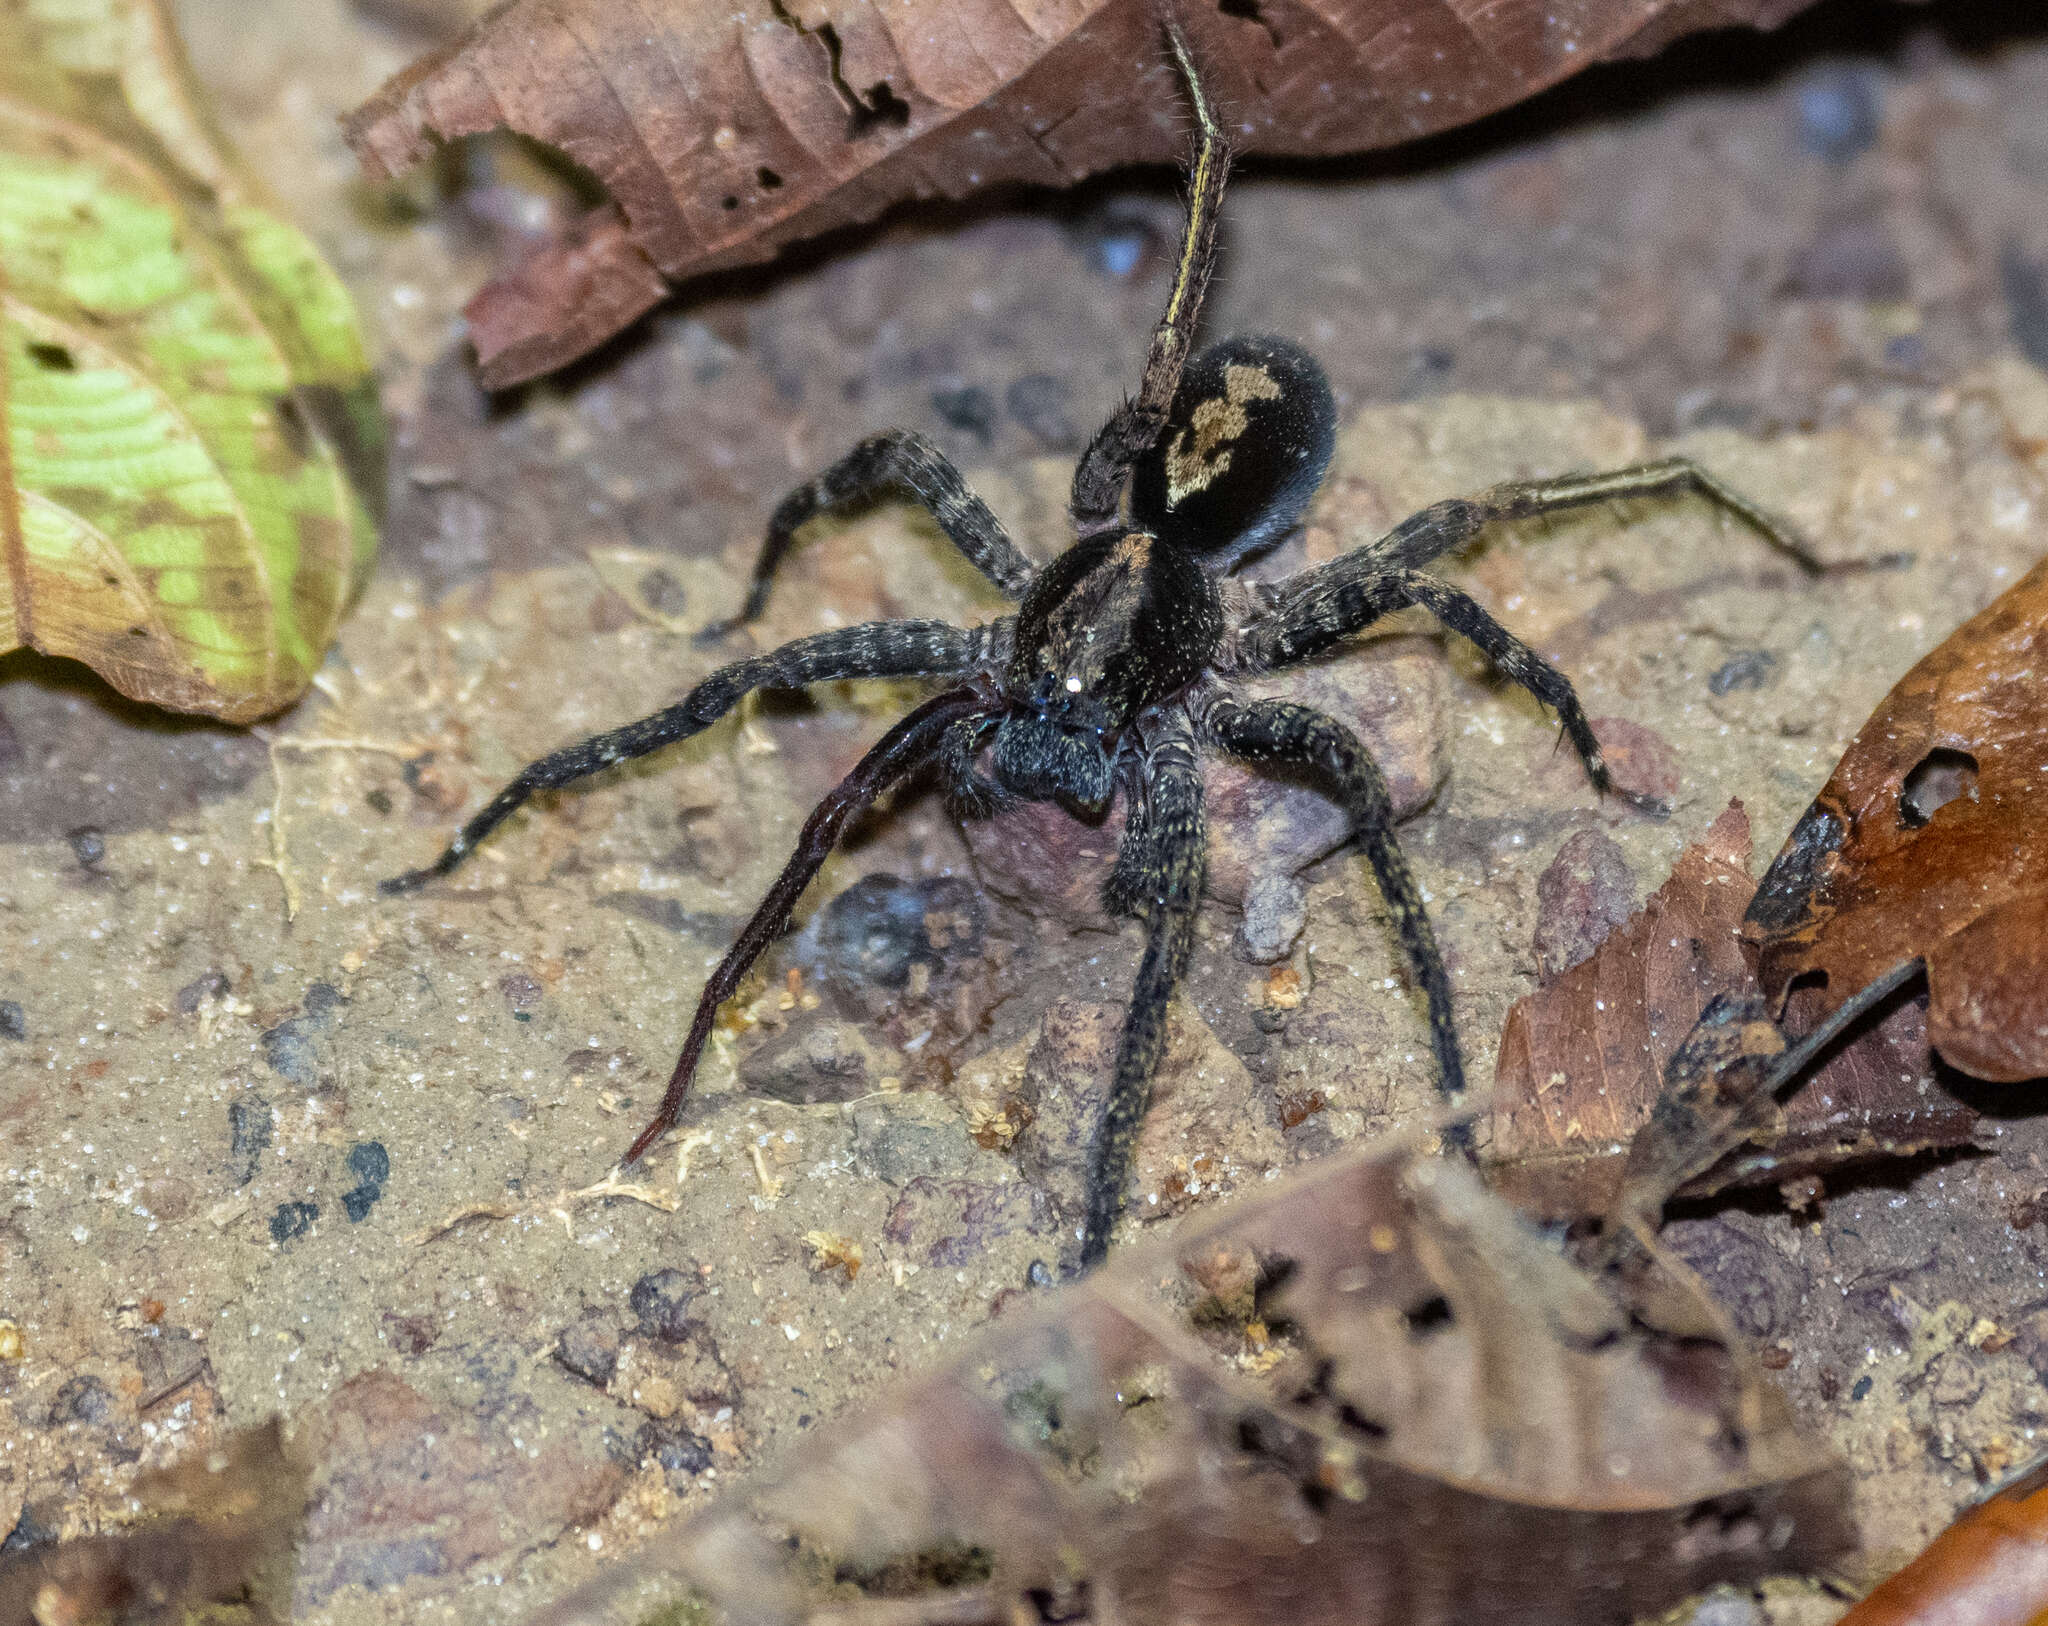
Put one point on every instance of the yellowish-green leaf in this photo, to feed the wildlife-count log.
(183, 387)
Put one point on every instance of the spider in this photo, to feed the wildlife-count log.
(1116, 671)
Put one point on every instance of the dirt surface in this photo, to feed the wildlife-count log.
(272, 1144)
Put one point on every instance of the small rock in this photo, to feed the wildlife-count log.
(13, 1020)
(1639, 760)
(207, 985)
(292, 1220)
(681, 1454)
(249, 1129)
(369, 1162)
(883, 927)
(898, 1138)
(1585, 893)
(83, 1399)
(590, 1350)
(818, 1059)
(521, 992)
(88, 846)
(1749, 669)
(288, 1051)
(661, 1301)
(1839, 113)
(1275, 913)
(971, 409)
(1038, 401)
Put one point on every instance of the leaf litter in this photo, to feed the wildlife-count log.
(724, 135)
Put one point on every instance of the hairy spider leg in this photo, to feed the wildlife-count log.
(1133, 428)
(970, 793)
(1520, 664)
(873, 649)
(1162, 862)
(1281, 731)
(908, 746)
(899, 460)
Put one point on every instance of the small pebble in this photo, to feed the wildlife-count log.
(292, 1220)
(590, 1350)
(661, 1301)
(13, 1020)
(971, 409)
(1751, 669)
(83, 1399)
(88, 845)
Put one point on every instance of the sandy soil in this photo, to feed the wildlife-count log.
(270, 1143)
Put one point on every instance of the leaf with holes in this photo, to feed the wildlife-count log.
(180, 377)
(1363, 1397)
(725, 133)
(1582, 1060)
(1931, 839)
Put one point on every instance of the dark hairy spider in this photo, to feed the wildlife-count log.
(1117, 670)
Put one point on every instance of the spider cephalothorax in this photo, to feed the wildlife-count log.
(1117, 670)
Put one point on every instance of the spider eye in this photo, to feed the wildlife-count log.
(1073, 685)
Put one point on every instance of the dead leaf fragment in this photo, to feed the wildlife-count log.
(724, 134)
(1583, 1059)
(1931, 839)
(1452, 1395)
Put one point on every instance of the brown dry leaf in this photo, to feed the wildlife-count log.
(1582, 1060)
(1931, 839)
(725, 133)
(215, 1544)
(1989, 1568)
(1386, 1393)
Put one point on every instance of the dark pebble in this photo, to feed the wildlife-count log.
(37, 1527)
(681, 1454)
(83, 1399)
(322, 1000)
(1751, 669)
(589, 1349)
(1859, 1388)
(662, 593)
(88, 845)
(661, 1301)
(288, 1049)
(369, 1162)
(882, 925)
(379, 799)
(248, 1133)
(1838, 114)
(1039, 1275)
(292, 1220)
(1038, 401)
(972, 409)
(358, 1201)
(13, 1020)
(207, 985)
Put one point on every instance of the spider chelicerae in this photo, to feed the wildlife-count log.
(1117, 671)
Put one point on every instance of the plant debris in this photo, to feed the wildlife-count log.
(1931, 839)
(1377, 1362)
(181, 383)
(723, 135)
(1583, 1060)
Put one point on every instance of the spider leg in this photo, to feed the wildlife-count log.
(898, 460)
(1518, 662)
(1280, 731)
(906, 747)
(875, 649)
(1133, 427)
(1320, 607)
(970, 793)
(1166, 899)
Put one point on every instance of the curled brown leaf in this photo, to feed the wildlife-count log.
(724, 134)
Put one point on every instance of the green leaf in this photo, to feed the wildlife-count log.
(183, 387)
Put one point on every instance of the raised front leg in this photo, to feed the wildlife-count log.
(1280, 731)
(874, 649)
(1164, 889)
(899, 460)
(1134, 426)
